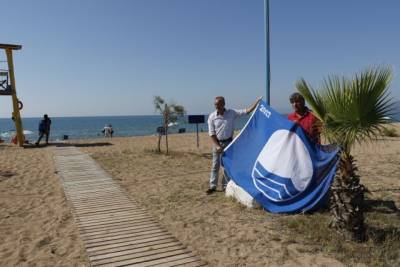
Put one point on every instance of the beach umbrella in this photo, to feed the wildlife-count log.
(10, 133)
(27, 132)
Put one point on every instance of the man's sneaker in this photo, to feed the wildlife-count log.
(210, 191)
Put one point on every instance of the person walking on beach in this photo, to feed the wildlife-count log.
(220, 128)
(44, 129)
(305, 118)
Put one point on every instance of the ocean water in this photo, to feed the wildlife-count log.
(90, 127)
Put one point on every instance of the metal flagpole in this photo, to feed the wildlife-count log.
(268, 71)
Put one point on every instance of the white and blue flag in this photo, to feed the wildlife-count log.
(274, 161)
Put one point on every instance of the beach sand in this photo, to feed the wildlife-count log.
(37, 228)
(36, 225)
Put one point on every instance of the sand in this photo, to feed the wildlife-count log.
(36, 225)
(37, 228)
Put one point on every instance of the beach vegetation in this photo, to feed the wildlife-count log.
(170, 112)
(353, 111)
(389, 132)
(381, 249)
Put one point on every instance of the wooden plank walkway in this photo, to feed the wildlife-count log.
(115, 229)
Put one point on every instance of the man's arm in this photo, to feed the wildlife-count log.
(216, 143)
(212, 133)
(253, 106)
(316, 129)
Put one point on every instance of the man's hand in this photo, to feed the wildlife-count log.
(254, 105)
(218, 147)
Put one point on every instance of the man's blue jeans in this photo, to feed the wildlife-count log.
(216, 164)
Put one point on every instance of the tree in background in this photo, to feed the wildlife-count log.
(352, 111)
(170, 113)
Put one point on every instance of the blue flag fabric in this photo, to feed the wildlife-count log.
(274, 161)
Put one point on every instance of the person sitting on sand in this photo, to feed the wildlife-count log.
(305, 118)
(108, 131)
(44, 129)
(220, 129)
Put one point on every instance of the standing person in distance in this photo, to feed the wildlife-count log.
(44, 129)
(221, 125)
(108, 131)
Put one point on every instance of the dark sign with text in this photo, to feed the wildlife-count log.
(196, 118)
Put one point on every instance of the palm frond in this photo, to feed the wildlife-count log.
(313, 98)
(353, 111)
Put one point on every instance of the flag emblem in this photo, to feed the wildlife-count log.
(277, 173)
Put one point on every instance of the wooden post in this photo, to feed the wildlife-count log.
(16, 114)
(166, 117)
(197, 131)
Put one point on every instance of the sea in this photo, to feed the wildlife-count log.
(91, 127)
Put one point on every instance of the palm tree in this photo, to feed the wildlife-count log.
(352, 111)
(170, 113)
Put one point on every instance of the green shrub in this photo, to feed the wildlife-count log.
(390, 132)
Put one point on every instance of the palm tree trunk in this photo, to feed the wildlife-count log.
(347, 200)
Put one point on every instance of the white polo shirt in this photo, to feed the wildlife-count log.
(222, 126)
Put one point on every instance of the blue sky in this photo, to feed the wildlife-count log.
(98, 57)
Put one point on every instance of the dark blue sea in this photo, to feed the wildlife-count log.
(90, 127)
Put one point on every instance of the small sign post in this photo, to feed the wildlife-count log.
(196, 119)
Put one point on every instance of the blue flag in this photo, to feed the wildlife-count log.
(274, 161)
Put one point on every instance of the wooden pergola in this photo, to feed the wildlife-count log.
(13, 92)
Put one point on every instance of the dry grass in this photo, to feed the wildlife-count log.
(389, 132)
(382, 248)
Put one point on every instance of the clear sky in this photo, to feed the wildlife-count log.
(98, 57)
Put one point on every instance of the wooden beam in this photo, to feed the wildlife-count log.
(10, 46)
(16, 114)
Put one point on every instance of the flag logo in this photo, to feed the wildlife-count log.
(277, 173)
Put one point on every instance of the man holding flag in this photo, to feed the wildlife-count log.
(221, 128)
(303, 116)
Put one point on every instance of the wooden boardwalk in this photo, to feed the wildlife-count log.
(115, 229)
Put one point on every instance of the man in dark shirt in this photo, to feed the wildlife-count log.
(44, 129)
(305, 118)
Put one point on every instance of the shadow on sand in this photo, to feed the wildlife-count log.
(380, 235)
(4, 175)
(61, 144)
(381, 206)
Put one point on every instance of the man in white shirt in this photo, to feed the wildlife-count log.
(221, 128)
